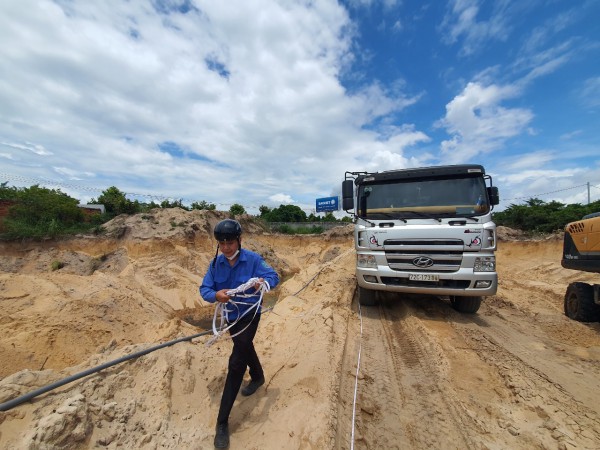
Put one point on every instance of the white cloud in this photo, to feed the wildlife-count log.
(590, 92)
(99, 86)
(282, 199)
(370, 3)
(535, 159)
(241, 101)
(540, 179)
(571, 135)
(72, 174)
(478, 123)
(462, 22)
(540, 36)
(28, 146)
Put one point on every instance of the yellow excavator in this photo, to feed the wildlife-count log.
(581, 251)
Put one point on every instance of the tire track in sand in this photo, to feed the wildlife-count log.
(402, 399)
(431, 416)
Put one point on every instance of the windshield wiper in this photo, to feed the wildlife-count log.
(390, 216)
(366, 220)
(422, 214)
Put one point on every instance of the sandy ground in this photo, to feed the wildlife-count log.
(518, 374)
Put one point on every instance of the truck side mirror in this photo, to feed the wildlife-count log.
(493, 195)
(347, 195)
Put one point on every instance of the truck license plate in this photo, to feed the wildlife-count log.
(423, 277)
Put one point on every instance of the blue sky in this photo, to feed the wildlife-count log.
(262, 102)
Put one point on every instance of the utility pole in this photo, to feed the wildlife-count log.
(588, 186)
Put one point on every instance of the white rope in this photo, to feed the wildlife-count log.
(356, 380)
(221, 314)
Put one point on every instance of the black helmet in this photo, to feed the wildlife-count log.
(228, 229)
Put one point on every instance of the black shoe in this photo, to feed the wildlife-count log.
(222, 436)
(253, 386)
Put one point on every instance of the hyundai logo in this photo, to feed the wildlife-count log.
(422, 261)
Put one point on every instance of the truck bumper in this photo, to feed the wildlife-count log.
(464, 282)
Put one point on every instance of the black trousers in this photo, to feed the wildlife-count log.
(242, 356)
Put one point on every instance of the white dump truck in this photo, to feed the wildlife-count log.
(425, 230)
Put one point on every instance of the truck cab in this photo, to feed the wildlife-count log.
(425, 230)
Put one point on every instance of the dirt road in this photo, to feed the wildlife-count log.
(518, 374)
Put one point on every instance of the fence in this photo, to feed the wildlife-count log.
(296, 225)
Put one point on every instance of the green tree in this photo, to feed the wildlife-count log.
(8, 193)
(204, 205)
(116, 203)
(42, 212)
(286, 213)
(264, 210)
(329, 217)
(145, 207)
(173, 204)
(538, 216)
(236, 209)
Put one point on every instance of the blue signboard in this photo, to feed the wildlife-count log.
(328, 204)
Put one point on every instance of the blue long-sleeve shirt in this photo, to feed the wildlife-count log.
(223, 276)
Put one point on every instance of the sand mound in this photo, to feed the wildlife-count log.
(519, 374)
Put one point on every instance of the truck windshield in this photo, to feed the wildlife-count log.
(434, 198)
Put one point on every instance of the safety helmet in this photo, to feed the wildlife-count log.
(227, 229)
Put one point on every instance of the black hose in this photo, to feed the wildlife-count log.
(26, 397)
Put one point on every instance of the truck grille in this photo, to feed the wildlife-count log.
(424, 255)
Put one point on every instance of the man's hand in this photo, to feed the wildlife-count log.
(258, 284)
(222, 296)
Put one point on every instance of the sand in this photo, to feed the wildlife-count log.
(518, 374)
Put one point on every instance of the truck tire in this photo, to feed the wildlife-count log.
(366, 297)
(469, 305)
(579, 303)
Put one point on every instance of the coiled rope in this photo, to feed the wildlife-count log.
(221, 314)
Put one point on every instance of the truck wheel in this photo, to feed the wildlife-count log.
(366, 297)
(579, 303)
(469, 305)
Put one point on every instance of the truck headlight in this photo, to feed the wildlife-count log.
(485, 264)
(367, 261)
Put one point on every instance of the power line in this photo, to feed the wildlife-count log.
(551, 192)
(91, 189)
(161, 197)
(152, 197)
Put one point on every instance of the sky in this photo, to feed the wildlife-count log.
(265, 102)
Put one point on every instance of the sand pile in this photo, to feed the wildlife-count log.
(518, 375)
(136, 286)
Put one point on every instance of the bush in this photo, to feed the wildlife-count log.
(285, 213)
(286, 229)
(116, 203)
(237, 210)
(40, 212)
(537, 216)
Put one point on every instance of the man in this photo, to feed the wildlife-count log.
(234, 267)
